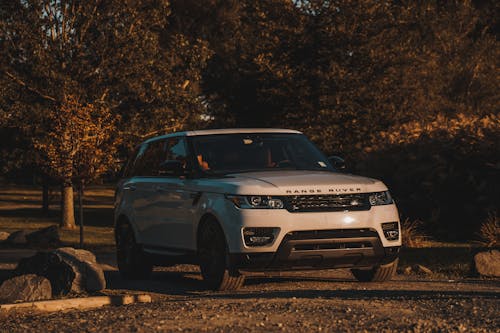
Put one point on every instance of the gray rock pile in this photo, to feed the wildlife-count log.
(17, 238)
(65, 270)
(44, 238)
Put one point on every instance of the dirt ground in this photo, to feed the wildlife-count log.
(328, 300)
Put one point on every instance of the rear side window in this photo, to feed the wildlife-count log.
(148, 159)
(150, 156)
(126, 171)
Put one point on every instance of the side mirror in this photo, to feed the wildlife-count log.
(171, 168)
(338, 163)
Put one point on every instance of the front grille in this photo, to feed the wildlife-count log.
(333, 246)
(332, 233)
(327, 203)
(330, 242)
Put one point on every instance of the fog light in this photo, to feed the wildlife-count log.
(391, 230)
(258, 236)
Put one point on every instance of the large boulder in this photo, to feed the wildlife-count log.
(68, 270)
(25, 288)
(46, 237)
(487, 263)
(17, 238)
(89, 275)
(49, 265)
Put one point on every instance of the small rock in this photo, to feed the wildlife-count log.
(17, 238)
(25, 288)
(407, 270)
(46, 237)
(420, 269)
(3, 236)
(487, 263)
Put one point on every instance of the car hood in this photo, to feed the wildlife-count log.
(294, 182)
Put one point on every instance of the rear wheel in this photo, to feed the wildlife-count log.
(212, 253)
(132, 263)
(376, 274)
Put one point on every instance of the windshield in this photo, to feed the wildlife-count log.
(234, 153)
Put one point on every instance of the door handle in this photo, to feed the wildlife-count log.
(129, 187)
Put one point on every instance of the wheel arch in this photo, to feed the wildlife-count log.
(124, 220)
(205, 219)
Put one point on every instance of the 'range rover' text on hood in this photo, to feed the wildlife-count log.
(292, 183)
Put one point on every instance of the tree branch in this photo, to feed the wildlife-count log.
(24, 84)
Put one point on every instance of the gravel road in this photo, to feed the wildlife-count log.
(292, 302)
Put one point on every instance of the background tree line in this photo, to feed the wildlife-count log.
(406, 90)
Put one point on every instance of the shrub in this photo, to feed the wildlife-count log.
(444, 171)
(489, 233)
(411, 233)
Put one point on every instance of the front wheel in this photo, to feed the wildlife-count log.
(212, 253)
(132, 263)
(376, 274)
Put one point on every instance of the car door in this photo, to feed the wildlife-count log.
(141, 189)
(173, 200)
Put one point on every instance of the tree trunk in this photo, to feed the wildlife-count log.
(68, 211)
(80, 211)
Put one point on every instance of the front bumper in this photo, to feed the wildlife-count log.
(234, 221)
(342, 248)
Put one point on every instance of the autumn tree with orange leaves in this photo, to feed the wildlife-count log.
(79, 146)
(73, 74)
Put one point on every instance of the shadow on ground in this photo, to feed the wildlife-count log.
(184, 283)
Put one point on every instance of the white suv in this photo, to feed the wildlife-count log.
(242, 200)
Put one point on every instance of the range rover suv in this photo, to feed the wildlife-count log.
(235, 201)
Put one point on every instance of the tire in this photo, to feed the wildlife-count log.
(132, 263)
(212, 255)
(376, 274)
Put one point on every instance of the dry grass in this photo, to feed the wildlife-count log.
(489, 233)
(446, 260)
(20, 209)
(411, 234)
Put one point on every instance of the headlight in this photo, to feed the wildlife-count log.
(256, 201)
(380, 198)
